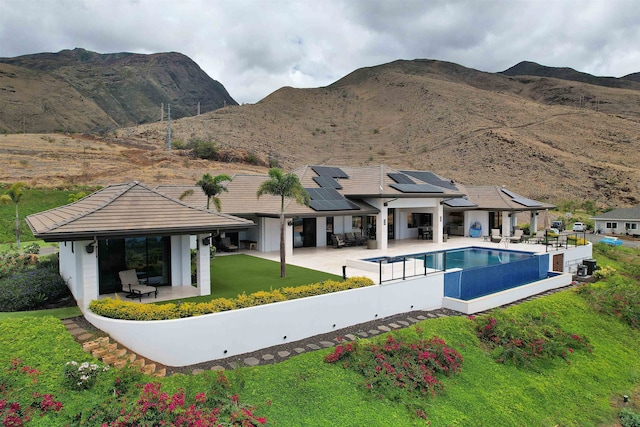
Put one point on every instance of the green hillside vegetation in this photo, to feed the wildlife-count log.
(34, 200)
(583, 387)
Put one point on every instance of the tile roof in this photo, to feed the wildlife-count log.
(493, 197)
(127, 210)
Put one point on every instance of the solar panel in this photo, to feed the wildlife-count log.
(331, 172)
(460, 202)
(400, 178)
(521, 200)
(328, 199)
(432, 178)
(327, 182)
(416, 188)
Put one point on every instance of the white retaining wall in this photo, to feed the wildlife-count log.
(187, 341)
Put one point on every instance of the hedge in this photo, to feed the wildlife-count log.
(128, 310)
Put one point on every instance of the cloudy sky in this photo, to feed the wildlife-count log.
(254, 47)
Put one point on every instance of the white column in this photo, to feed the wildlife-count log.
(438, 224)
(382, 236)
(88, 268)
(533, 226)
(180, 261)
(203, 266)
(288, 238)
(506, 224)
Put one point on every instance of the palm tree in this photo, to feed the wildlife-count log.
(212, 186)
(283, 185)
(14, 195)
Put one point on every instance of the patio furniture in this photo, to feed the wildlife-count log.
(134, 287)
(227, 246)
(517, 236)
(495, 235)
(338, 240)
(359, 237)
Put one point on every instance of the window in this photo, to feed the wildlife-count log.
(415, 220)
(612, 225)
(356, 223)
(630, 226)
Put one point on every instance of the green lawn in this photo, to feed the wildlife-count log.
(232, 275)
(58, 313)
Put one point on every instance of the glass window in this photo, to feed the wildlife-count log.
(421, 220)
(612, 225)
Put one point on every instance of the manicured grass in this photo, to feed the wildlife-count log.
(58, 313)
(232, 275)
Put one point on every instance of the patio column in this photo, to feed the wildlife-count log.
(180, 260)
(506, 224)
(533, 226)
(87, 269)
(288, 238)
(382, 237)
(203, 259)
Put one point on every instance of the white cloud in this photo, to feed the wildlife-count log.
(254, 47)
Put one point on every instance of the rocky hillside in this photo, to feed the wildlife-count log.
(546, 138)
(82, 91)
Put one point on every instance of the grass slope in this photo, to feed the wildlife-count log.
(305, 391)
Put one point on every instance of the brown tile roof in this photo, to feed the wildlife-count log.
(127, 210)
(493, 197)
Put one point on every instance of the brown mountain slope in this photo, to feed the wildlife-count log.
(128, 88)
(546, 138)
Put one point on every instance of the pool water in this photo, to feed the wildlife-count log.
(465, 258)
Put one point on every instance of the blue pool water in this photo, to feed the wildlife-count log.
(465, 258)
(482, 271)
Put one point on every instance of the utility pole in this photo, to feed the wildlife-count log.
(169, 127)
(198, 108)
(162, 111)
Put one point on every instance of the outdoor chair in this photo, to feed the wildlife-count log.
(134, 287)
(339, 241)
(517, 236)
(227, 246)
(495, 235)
(361, 239)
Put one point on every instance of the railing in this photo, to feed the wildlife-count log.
(411, 266)
(554, 241)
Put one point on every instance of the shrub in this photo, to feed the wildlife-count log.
(31, 289)
(527, 339)
(628, 418)
(618, 296)
(203, 149)
(82, 376)
(128, 310)
(395, 368)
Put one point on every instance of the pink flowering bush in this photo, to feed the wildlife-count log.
(17, 408)
(527, 339)
(152, 406)
(397, 368)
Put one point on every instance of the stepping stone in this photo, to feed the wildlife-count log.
(217, 368)
(384, 328)
(326, 344)
(84, 337)
(267, 357)
(299, 350)
(197, 371)
(412, 320)
(442, 315)
(403, 323)
(233, 365)
(110, 359)
(284, 354)
(102, 340)
(149, 369)
(139, 363)
(431, 315)
(90, 346)
(395, 325)
(374, 332)
(421, 317)
(98, 353)
(77, 331)
(363, 334)
(120, 363)
(67, 321)
(313, 346)
(161, 373)
(351, 337)
(251, 361)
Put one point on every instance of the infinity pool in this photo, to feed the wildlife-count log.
(465, 258)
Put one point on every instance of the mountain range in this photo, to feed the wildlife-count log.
(548, 133)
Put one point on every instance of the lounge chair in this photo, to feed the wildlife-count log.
(227, 246)
(350, 239)
(538, 237)
(517, 236)
(339, 241)
(495, 235)
(134, 287)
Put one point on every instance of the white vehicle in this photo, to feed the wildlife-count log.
(579, 226)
